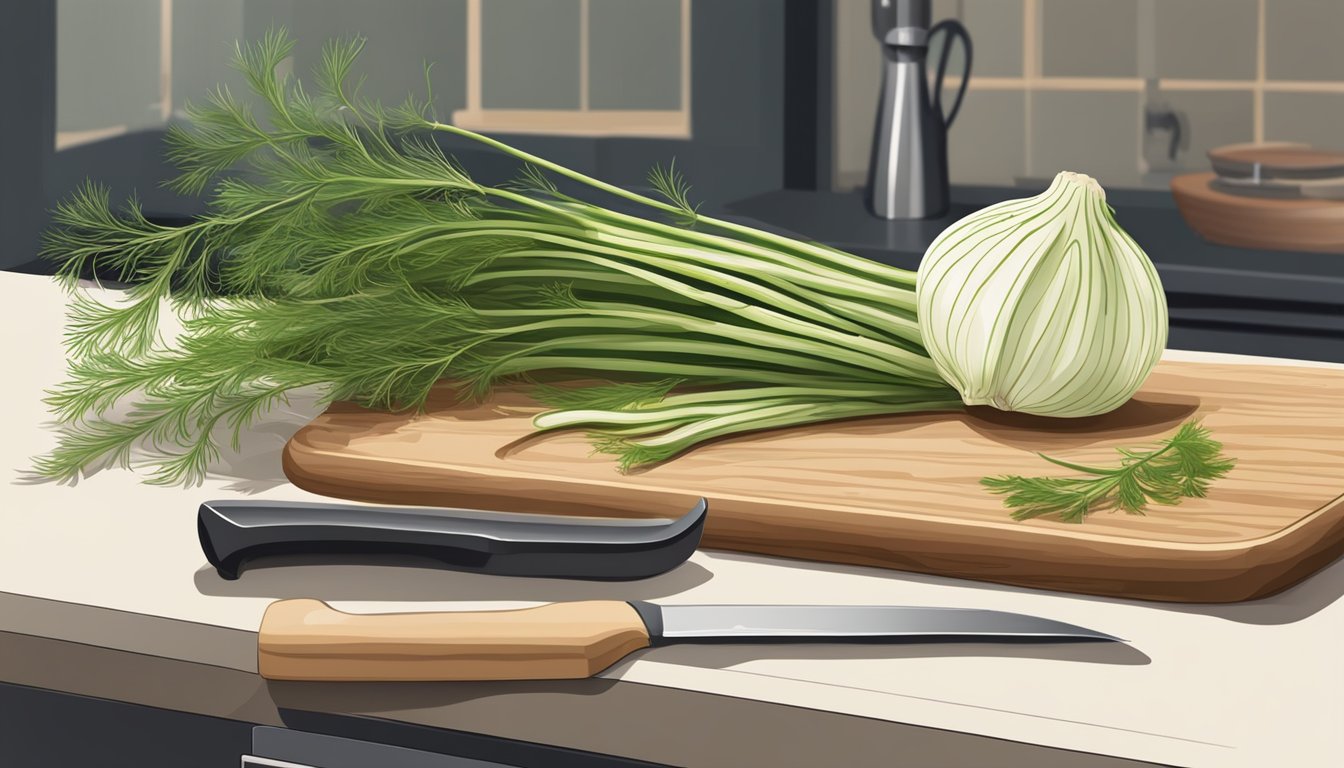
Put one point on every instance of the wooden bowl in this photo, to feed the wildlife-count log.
(1272, 224)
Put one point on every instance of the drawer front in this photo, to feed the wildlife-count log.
(283, 748)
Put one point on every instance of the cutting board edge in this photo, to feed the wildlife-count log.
(295, 470)
(1220, 572)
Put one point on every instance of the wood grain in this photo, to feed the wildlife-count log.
(309, 640)
(1274, 224)
(903, 492)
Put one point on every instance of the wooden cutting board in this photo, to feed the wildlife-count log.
(902, 492)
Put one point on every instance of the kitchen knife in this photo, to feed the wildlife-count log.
(306, 639)
(235, 532)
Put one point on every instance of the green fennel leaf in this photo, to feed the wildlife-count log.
(672, 185)
(1183, 466)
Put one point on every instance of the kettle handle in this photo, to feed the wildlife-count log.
(954, 29)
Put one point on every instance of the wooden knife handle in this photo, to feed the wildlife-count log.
(309, 640)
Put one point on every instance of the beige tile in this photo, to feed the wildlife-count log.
(1314, 118)
(530, 54)
(1302, 39)
(634, 54)
(1206, 39)
(1092, 133)
(1089, 38)
(996, 36)
(986, 143)
(943, 9)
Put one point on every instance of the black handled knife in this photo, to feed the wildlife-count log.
(236, 532)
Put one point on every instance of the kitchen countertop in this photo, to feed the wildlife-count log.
(104, 592)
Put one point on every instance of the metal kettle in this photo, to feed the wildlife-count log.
(907, 178)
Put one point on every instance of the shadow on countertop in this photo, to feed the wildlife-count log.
(1298, 602)
(407, 578)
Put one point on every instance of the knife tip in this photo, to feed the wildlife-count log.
(1094, 635)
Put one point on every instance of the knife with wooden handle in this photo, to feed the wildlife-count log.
(306, 639)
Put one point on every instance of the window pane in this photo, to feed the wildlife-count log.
(204, 35)
(400, 38)
(107, 64)
(530, 54)
(634, 54)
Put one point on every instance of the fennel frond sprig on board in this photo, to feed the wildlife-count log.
(343, 251)
(1182, 467)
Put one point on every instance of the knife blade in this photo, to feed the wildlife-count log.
(304, 639)
(846, 623)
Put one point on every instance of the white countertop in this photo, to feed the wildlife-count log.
(113, 562)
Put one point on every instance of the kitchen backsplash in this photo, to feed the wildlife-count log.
(1111, 87)
(130, 65)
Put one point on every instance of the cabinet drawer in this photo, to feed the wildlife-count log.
(283, 748)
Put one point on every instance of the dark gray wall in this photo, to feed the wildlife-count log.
(27, 124)
(41, 728)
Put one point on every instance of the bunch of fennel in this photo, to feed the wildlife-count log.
(356, 258)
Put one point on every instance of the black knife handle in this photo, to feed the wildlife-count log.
(234, 532)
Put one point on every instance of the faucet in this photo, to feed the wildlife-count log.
(1163, 118)
(1158, 115)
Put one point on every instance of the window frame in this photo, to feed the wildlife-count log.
(583, 121)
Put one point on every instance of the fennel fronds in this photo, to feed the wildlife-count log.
(1183, 466)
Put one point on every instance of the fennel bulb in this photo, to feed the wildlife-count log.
(1042, 305)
